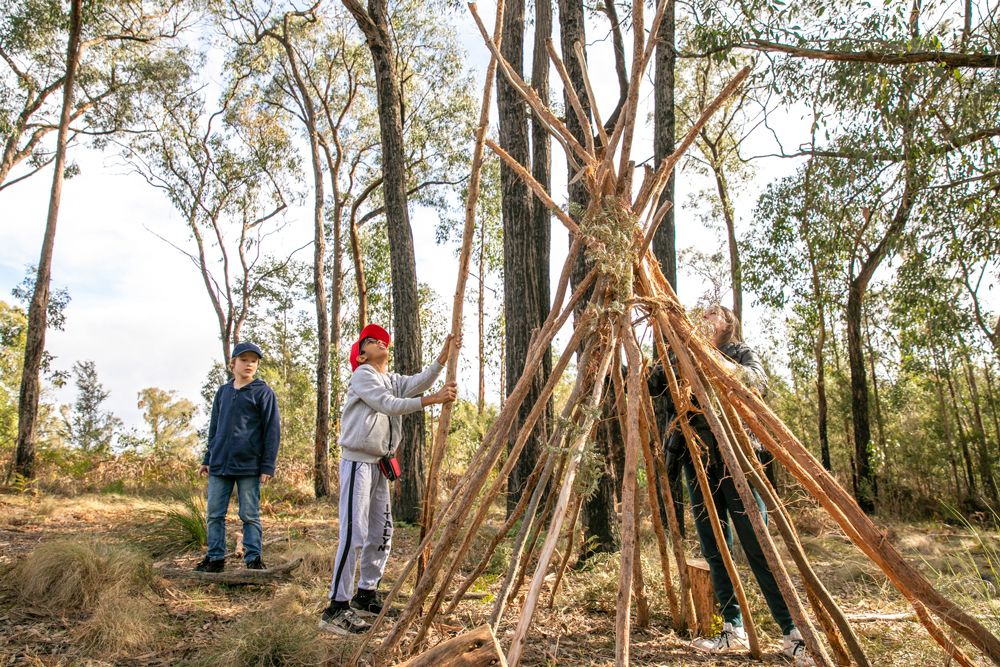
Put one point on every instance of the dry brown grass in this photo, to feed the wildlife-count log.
(77, 572)
(121, 625)
(281, 636)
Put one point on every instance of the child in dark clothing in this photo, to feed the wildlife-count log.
(243, 439)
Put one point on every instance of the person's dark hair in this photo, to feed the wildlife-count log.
(733, 333)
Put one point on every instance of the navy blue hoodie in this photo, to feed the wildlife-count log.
(245, 430)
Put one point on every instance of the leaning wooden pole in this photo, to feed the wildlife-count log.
(825, 604)
(623, 611)
(695, 452)
(458, 303)
(559, 514)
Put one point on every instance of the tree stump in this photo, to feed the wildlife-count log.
(702, 594)
(478, 648)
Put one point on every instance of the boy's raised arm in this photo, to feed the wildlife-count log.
(414, 385)
(379, 397)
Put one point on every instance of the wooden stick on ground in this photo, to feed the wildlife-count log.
(478, 648)
(233, 576)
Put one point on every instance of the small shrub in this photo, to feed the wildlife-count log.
(69, 573)
(121, 625)
(268, 638)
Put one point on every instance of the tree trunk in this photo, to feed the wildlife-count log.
(866, 489)
(406, 334)
(523, 275)
(962, 438)
(599, 518)
(985, 464)
(27, 412)
(599, 506)
(321, 477)
(947, 428)
(867, 485)
(482, 318)
(722, 186)
(664, 132)
(993, 401)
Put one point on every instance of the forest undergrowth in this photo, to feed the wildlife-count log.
(77, 588)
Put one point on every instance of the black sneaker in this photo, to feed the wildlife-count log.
(256, 564)
(370, 605)
(209, 565)
(343, 621)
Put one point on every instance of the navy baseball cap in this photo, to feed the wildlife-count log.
(246, 347)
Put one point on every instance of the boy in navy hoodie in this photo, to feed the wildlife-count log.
(243, 439)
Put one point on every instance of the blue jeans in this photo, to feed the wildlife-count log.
(220, 488)
(733, 515)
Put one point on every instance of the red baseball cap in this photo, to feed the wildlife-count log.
(370, 331)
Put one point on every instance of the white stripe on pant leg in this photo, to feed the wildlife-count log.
(355, 485)
(375, 554)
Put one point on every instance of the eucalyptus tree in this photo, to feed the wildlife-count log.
(230, 172)
(718, 146)
(124, 48)
(117, 33)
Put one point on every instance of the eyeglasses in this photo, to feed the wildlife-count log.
(380, 343)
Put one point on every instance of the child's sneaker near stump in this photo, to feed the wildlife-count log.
(342, 621)
(795, 648)
(209, 565)
(256, 564)
(729, 639)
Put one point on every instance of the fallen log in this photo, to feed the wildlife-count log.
(478, 648)
(242, 576)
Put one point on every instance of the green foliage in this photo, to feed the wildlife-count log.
(13, 328)
(86, 425)
(169, 420)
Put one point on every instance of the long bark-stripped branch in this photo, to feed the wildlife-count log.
(576, 452)
(444, 421)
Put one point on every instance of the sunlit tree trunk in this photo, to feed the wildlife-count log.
(27, 413)
(406, 334)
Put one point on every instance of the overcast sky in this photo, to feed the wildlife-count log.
(139, 309)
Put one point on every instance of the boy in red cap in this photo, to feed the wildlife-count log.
(370, 433)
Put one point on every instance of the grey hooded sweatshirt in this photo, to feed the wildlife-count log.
(373, 399)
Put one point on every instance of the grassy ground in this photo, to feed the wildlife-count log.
(73, 613)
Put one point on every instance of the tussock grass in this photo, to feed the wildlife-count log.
(282, 636)
(317, 561)
(181, 526)
(77, 572)
(121, 625)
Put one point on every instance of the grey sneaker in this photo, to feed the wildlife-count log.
(343, 621)
(729, 639)
(795, 649)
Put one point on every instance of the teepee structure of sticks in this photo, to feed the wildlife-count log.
(625, 283)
